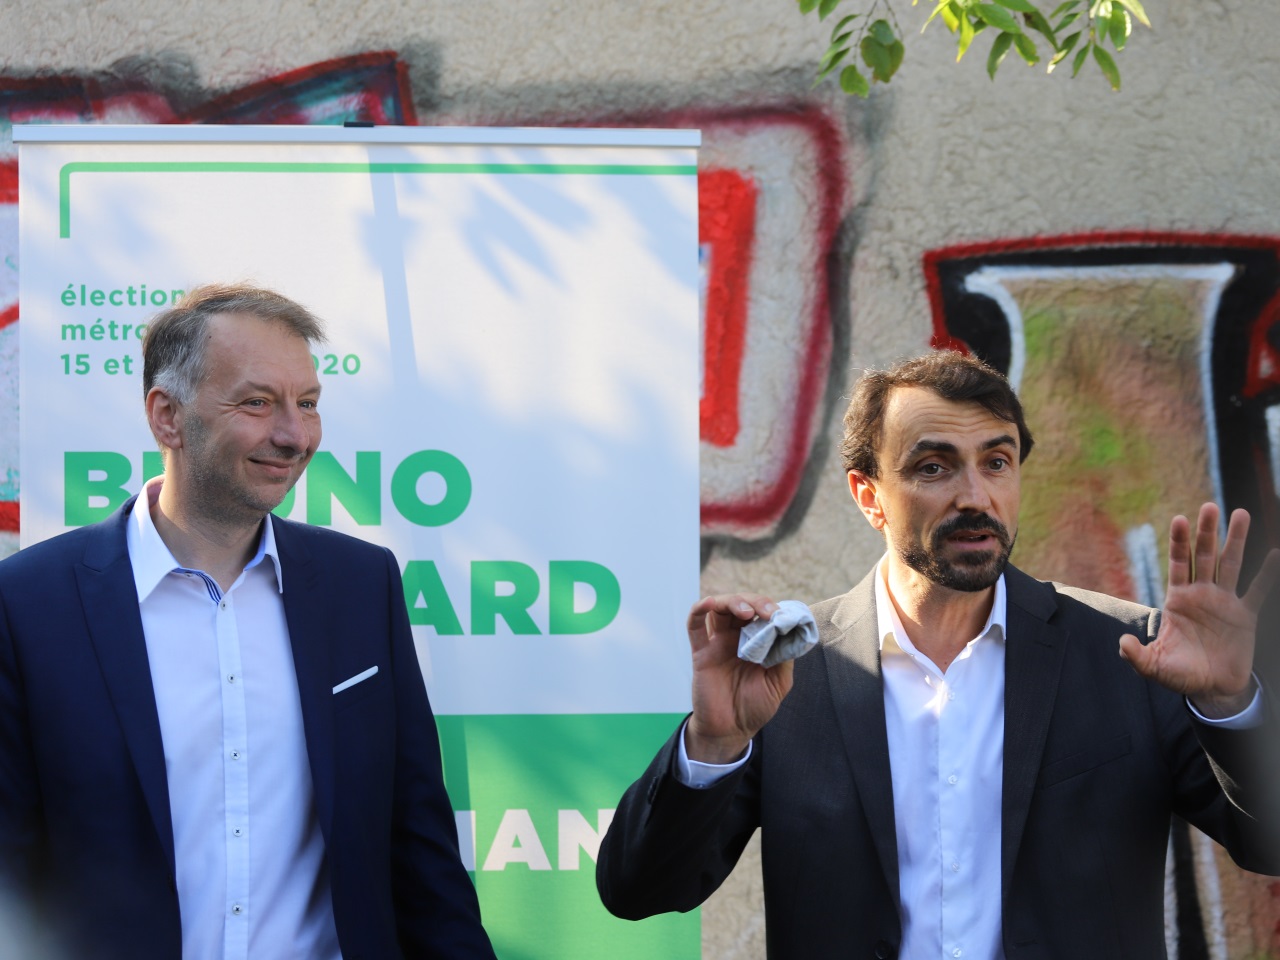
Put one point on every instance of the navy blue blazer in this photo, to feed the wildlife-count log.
(85, 832)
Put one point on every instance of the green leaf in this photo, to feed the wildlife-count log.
(876, 56)
(840, 41)
(825, 7)
(965, 38)
(1121, 26)
(1100, 9)
(1041, 26)
(832, 63)
(1064, 7)
(997, 54)
(896, 52)
(806, 6)
(1022, 6)
(1068, 45)
(1134, 7)
(951, 18)
(998, 17)
(851, 81)
(1079, 60)
(844, 22)
(1067, 21)
(883, 32)
(942, 5)
(1108, 66)
(1027, 49)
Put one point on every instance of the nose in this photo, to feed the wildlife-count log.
(294, 430)
(972, 494)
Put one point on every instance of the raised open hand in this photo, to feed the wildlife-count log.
(1205, 646)
(732, 699)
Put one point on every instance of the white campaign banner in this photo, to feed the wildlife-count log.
(509, 388)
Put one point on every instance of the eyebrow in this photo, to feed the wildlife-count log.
(942, 446)
(253, 387)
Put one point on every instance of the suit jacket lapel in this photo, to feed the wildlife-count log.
(304, 610)
(1033, 664)
(852, 657)
(110, 601)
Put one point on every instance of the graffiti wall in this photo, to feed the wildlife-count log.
(1117, 255)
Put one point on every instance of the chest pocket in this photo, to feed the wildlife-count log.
(1086, 760)
(359, 687)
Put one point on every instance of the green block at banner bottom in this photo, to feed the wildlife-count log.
(534, 795)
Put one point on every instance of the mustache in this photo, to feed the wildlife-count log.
(972, 523)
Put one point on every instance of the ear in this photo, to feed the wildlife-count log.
(164, 416)
(863, 489)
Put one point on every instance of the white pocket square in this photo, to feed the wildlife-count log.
(358, 678)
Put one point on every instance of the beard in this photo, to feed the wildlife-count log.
(216, 492)
(969, 572)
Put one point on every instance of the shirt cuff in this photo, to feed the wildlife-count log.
(699, 775)
(1248, 718)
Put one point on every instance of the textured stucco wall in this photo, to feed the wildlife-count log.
(847, 198)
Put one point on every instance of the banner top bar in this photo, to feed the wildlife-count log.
(269, 133)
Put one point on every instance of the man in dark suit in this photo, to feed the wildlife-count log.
(215, 740)
(965, 767)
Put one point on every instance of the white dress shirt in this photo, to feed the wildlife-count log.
(251, 873)
(946, 760)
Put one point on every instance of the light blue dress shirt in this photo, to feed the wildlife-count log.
(250, 859)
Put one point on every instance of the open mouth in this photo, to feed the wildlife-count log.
(971, 537)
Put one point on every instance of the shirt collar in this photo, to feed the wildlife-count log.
(893, 637)
(152, 560)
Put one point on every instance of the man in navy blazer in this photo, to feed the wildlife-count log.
(167, 788)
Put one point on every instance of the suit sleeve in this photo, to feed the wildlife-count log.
(437, 912)
(1244, 815)
(671, 846)
(21, 827)
(1236, 800)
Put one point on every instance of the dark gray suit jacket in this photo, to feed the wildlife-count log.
(1096, 760)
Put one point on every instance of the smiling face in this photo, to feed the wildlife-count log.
(253, 424)
(948, 489)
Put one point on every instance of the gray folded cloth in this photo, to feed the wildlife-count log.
(791, 632)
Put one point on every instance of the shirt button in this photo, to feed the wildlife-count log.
(237, 910)
(237, 832)
(223, 604)
(235, 754)
(957, 952)
(231, 678)
(955, 868)
(951, 695)
(953, 779)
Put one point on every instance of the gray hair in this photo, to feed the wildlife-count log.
(173, 351)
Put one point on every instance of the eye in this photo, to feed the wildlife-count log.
(307, 404)
(256, 402)
(930, 469)
(998, 463)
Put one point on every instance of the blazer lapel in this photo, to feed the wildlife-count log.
(1034, 650)
(110, 601)
(304, 610)
(852, 657)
